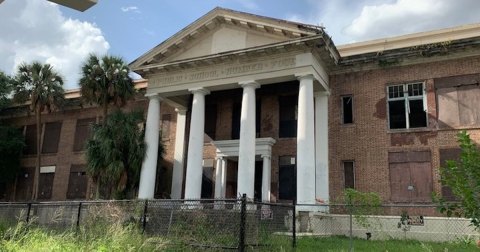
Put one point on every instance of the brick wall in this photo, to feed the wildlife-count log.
(368, 140)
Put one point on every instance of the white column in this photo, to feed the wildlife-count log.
(305, 142)
(246, 157)
(321, 145)
(193, 182)
(219, 178)
(149, 166)
(266, 178)
(178, 156)
(224, 179)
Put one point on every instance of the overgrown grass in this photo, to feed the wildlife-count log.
(340, 243)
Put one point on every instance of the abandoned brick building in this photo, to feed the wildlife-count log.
(272, 108)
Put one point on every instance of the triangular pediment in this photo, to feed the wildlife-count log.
(220, 31)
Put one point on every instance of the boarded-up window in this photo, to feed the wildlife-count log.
(77, 182)
(347, 109)
(83, 131)
(165, 130)
(45, 182)
(449, 154)
(287, 181)
(24, 187)
(30, 140)
(349, 174)
(458, 100)
(410, 176)
(288, 116)
(51, 137)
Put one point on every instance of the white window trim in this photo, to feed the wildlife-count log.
(406, 100)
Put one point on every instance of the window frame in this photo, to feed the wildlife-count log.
(406, 98)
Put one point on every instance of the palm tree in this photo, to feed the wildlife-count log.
(106, 81)
(41, 85)
(115, 154)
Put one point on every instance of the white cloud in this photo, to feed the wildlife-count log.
(130, 8)
(36, 30)
(353, 21)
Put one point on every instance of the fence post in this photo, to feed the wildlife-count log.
(294, 224)
(144, 224)
(29, 208)
(78, 214)
(243, 215)
(351, 228)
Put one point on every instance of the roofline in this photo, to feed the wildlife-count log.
(206, 18)
(410, 40)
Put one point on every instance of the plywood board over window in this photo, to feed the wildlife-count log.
(30, 140)
(77, 182)
(83, 131)
(45, 182)
(458, 99)
(410, 176)
(51, 137)
(24, 185)
(454, 155)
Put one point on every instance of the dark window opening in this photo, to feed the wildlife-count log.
(236, 117)
(349, 174)
(396, 111)
(288, 116)
(211, 121)
(258, 181)
(77, 182)
(51, 137)
(83, 131)
(207, 179)
(287, 179)
(30, 140)
(417, 116)
(347, 109)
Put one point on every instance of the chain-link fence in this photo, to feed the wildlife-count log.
(239, 224)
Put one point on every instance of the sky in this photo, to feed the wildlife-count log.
(43, 31)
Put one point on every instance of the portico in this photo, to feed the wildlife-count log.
(227, 50)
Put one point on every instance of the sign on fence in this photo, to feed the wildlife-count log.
(415, 220)
(267, 214)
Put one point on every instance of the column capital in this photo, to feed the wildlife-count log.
(249, 83)
(199, 90)
(181, 111)
(304, 76)
(219, 157)
(154, 96)
(266, 156)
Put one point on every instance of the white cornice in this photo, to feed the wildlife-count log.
(410, 40)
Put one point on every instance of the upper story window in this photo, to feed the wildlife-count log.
(288, 110)
(407, 106)
(347, 109)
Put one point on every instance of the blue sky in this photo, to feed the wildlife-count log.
(43, 31)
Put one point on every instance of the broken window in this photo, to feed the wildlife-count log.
(407, 106)
(347, 109)
(349, 174)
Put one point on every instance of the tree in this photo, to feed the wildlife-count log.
(5, 89)
(41, 86)
(11, 139)
(463, 177)
(115, 154)
(106, 81)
